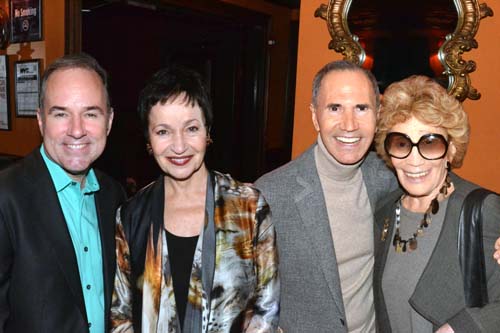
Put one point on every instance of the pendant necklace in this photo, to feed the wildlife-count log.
(411, 244)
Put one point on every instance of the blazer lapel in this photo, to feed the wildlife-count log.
(105, 216)
(311, 206)
(49, 219)
(383, 230)
(439, 292)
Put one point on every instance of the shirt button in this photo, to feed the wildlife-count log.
(88, 287)
(86, 249)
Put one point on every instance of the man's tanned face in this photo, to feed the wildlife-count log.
(345, 115)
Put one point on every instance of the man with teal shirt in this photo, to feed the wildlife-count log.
(79, 211)
(57, 248)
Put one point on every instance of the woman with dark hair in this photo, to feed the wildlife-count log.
(196, 249)
(423, 133)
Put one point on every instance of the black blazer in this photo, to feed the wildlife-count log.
(40, 289)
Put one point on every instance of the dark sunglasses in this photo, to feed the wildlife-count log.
(430, 146)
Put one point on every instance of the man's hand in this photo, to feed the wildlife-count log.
(496, 255)
(445, 329)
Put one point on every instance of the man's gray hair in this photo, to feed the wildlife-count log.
(339, 66)
(72, 61)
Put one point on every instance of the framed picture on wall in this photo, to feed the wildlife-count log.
(27, 87)
(4, 94)
(25, 20)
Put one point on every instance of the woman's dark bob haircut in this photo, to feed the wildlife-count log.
(170, 83)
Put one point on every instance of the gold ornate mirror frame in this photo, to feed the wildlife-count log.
(470, 12)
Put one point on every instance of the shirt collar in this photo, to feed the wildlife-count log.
(61, 179)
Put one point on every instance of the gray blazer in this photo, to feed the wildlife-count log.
(439, 295)
(311, 298)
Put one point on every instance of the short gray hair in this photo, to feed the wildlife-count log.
(339, 66)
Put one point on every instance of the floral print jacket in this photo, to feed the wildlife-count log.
(234, 284)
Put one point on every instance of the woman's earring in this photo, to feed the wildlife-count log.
(209, 139)
(149, 149)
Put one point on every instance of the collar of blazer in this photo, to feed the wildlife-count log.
(310, 203)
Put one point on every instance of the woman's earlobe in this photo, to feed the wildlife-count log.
(209, 137)
(452, 150)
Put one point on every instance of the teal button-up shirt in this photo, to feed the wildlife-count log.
(80, 213)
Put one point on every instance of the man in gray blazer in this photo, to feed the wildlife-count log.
(322, 205)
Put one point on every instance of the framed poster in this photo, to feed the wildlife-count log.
(26, 20)
(27, 87)
(4, 94)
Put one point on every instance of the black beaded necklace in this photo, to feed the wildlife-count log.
(411, 244)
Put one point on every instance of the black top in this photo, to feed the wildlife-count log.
(181, 254)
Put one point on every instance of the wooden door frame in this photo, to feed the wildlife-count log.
(73, 26)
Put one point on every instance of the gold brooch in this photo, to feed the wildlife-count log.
(385, 230)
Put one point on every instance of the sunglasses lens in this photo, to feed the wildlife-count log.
(432, 146)
(397, 145)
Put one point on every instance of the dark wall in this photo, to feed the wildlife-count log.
(229, 50)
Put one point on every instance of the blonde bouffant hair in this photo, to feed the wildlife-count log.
(423, 98)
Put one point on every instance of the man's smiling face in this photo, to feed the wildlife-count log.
(74, 120)
(345, 115)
